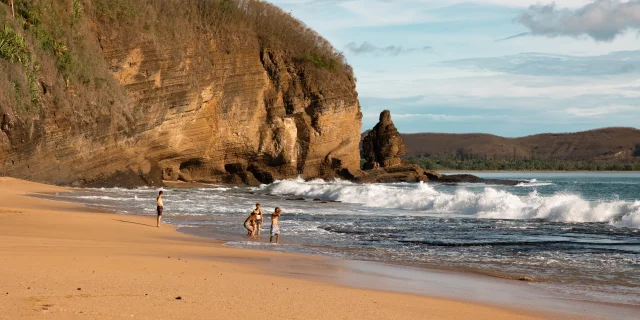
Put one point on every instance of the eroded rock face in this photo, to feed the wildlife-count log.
(382, 146)
(191, 111)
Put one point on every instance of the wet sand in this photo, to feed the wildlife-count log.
(64, 261)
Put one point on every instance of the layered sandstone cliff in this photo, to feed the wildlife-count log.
(170, 96)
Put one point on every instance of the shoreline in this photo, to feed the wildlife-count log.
(485, 287)
(37, 235)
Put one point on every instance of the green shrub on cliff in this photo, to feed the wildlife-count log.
(13, 46)
(116, 10)
(233, 23)
(472, 163)
(50, 50)
(77, 12)
(319, 61)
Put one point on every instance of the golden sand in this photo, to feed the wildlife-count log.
(64, 261)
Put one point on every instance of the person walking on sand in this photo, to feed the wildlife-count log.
(250, 223)
(275, 227)
(160, 207)
(258, 223)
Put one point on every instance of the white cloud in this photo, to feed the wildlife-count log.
(448, 83)
(624, 62)
(372, 13)
(602, 20)
(520, 78)
(440, 3)
(600, 111)
(437, 117)
(393, 50)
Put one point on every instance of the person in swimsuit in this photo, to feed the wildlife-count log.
(258, 212)
(249, 224)
(275, 227)
(159, 208)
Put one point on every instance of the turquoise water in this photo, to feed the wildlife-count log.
(577, 233)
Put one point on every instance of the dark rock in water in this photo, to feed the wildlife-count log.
(401, 173)
(502, 182)
(413, 173)
(467, 178)
(383, 147)
(296, 199)
(459, 178)
(318, 200)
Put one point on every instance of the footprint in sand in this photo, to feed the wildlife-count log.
(10, 212)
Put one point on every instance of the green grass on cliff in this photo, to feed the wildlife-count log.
(232, 22)
(49, 48)
(13, 46)
(55, 29)
(51, 57)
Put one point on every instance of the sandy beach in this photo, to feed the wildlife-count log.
(66, 261)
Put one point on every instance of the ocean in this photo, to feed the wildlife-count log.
(574, 233)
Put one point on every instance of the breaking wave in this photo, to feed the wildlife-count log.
(490, 203)
(534, 183)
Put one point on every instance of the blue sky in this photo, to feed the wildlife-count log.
(510, 68)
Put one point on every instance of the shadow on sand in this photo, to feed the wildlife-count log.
(141, 224)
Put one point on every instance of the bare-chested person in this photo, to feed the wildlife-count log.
(159, 208)
(275, 227)
(250, 223)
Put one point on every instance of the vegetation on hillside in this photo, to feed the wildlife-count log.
(45, 47)
(232, 23)
(470, 163)
(606, 149)
(14, 48)
(615, 145)
(51, 46)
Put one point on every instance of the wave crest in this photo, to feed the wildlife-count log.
(491, 203)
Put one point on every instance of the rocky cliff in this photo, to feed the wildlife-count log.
(132, 92)
(383, 146)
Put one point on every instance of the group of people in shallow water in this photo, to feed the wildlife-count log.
(253, 223)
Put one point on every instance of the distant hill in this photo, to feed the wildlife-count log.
(608, 144)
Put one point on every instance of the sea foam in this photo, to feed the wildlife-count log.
(490, 203)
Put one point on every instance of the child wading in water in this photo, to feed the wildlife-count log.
(275, 227)
(250, 224)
